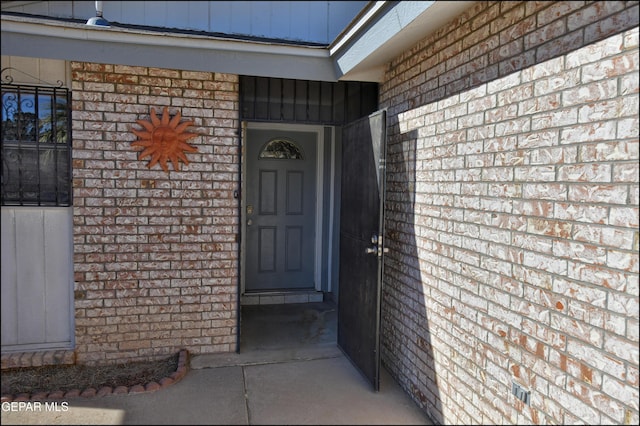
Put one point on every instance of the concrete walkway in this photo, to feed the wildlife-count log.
(288, 386)
(290, 371)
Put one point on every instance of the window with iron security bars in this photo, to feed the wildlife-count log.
(36, 146)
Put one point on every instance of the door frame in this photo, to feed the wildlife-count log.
(320, 207)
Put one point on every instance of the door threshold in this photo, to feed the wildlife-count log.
(282, 297)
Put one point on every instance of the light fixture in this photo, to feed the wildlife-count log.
(98, 20)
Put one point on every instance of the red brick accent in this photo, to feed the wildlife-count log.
(152, 386)
(104, 391)
(120, 390)
(88, 393)
(58, 394)
(37, 359)
(73, 393)
(137, 389)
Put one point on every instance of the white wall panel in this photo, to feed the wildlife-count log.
(308, 21)
(58, 275)
(240, 18)
(9, 313)
(37, 278)
(29, 227)
(57, 8)
(36, 71)
(261, 21)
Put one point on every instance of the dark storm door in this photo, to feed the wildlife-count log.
(280, 210)
(361, 245)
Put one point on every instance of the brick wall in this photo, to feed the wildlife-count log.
(512, 215)
(155, 253)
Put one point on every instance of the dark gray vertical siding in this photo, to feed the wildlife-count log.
(326, 275)
(306, 102)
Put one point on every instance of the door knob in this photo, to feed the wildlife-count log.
(378, 248)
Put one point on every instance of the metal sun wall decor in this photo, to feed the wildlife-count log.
(164, 139)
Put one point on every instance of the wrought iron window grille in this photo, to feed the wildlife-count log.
(36, 144)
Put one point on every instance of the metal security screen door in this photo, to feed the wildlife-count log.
(280, 210)
(361, 245)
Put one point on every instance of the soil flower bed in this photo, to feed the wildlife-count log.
(63, 381)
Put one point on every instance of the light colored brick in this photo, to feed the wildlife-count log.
(129, 228)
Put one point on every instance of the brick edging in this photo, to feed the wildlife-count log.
(38, 358)
(90, 392)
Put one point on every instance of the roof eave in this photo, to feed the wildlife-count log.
(384, 31)
(37, 37)
(361, 52)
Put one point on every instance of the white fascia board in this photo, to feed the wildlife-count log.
(388, 29)
(69, 41)
(355, 27)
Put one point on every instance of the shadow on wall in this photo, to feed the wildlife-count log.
(405, 329)
(492, 59)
